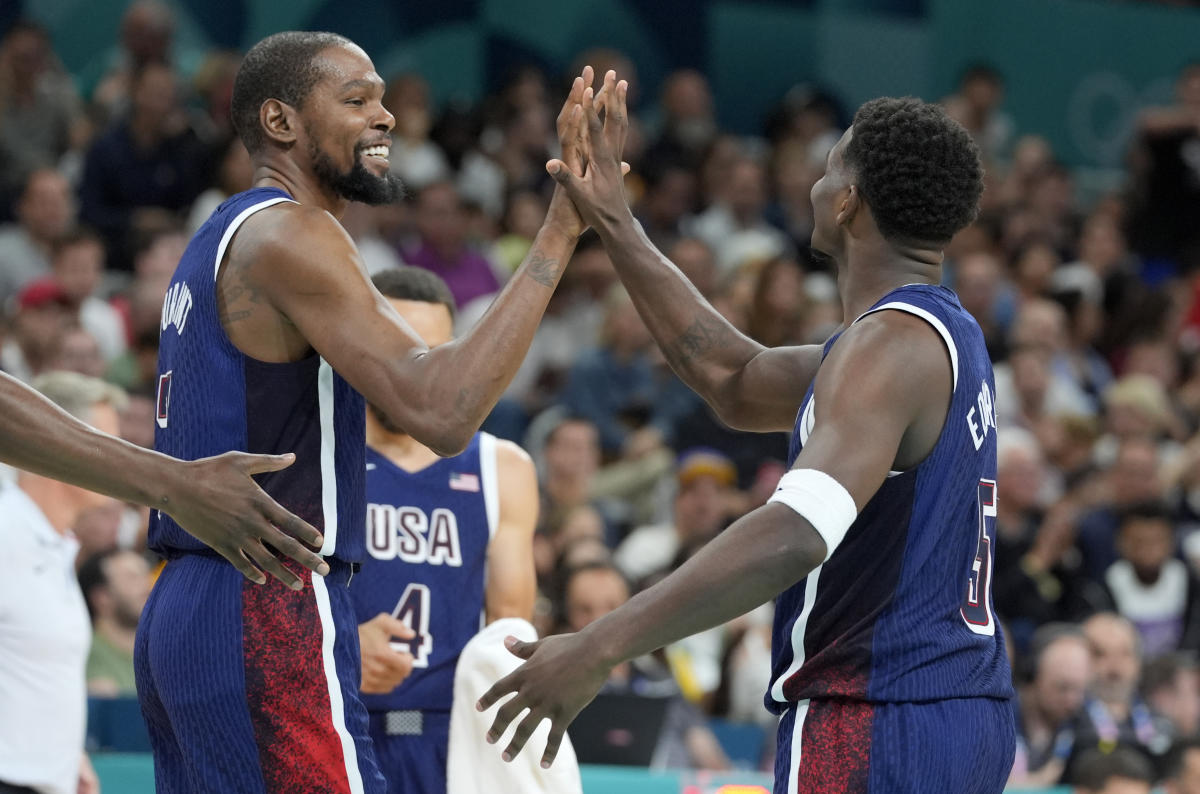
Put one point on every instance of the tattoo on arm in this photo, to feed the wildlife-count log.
(239, 291)
(543, 269)
(702, 336)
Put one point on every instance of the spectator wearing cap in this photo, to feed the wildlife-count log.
(705, 480)
(44, 313)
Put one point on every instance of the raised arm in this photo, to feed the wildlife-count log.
(511, 580)
(213, 498)
(749, 386)
(873, 392)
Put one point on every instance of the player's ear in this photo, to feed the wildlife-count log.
(849, 206)
(279, 121)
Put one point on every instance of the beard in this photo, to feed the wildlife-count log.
(357, 184)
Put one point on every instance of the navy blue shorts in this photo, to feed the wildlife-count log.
(834, 746)
(253, 688)
(411, 747)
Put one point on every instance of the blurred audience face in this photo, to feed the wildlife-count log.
(1061, 680)
(977, 282)
(154, 95)
(747, 191)
(1134, 476)
(46, 207)
(1147, 543)
(695, 260)
(688, 105)
(146, 31)
(700, 506)
(1116, 658)
(1020, 474)
(407, 99)
(671, 198)
(625, 333)
(1033, 268)
(1179, 701)
(523, 216)
(1156, 358)
(78, 351)
(573, 450)
(591, 594)
(98, 529)
(441, 219)
(1102, 244)
(78, 267)
(127, 586)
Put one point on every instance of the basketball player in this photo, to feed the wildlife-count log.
(213, 499)
(889, 668)
(271, 336)
(449, 545)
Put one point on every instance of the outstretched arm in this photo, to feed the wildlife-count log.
(749, 386)
(213, 498)
(871, 390)
(308, 269)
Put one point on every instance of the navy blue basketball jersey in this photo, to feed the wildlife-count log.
(427, 537)
(213, 398)
(902, 609)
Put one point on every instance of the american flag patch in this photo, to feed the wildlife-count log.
(464, 482)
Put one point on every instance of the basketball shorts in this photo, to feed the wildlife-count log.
(253, 688)
(411, 748)
(835, 746)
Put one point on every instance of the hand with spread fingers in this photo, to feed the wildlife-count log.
(560, 676)
(591, 171)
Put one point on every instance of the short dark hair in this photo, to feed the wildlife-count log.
(78, 235)
(1173, 763)
(284, 67)
(917, 168)
(407, 283)
(1094, 768)
(1147, 511)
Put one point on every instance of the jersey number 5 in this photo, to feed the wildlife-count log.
(413, 611)
(976, 607)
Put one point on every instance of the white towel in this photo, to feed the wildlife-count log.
(473, 765)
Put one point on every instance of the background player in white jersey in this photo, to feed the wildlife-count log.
(449, 545)
(889, 670)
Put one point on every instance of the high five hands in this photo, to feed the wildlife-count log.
(563, 673)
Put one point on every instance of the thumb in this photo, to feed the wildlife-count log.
(257, 464)
(522, 650)
(558, 169)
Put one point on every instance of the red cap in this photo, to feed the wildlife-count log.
(39, 293)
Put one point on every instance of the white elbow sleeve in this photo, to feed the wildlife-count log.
(820, 500)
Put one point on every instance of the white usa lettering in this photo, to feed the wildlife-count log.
(176, 306)
(982, 417)
(409, 534)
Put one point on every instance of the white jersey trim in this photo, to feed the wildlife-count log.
(489, 482)
(236, 223)
(930, 318)
(336, 705)
(797, 747)
(798, 631)
(328, 459)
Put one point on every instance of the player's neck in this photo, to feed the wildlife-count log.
(402, 450)
(870, 268)
(287, 175)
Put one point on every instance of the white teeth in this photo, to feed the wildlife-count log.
(376, 151)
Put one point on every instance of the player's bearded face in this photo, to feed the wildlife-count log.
(356, 184)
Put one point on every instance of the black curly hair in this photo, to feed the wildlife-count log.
(283, 66)
(917, 168)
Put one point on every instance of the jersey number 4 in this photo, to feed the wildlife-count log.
(976, 607)
(413, 611)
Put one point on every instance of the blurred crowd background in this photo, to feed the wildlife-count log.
(1081, 271)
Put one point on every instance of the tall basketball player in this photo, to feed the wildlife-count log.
(449, 548)
(272, 335)
(889, 667)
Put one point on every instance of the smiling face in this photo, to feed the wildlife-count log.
(346, 128)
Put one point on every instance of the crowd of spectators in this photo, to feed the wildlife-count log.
(1090, 305)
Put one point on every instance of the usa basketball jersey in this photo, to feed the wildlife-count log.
(427, 536)
(902, 609)
(213, 398)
